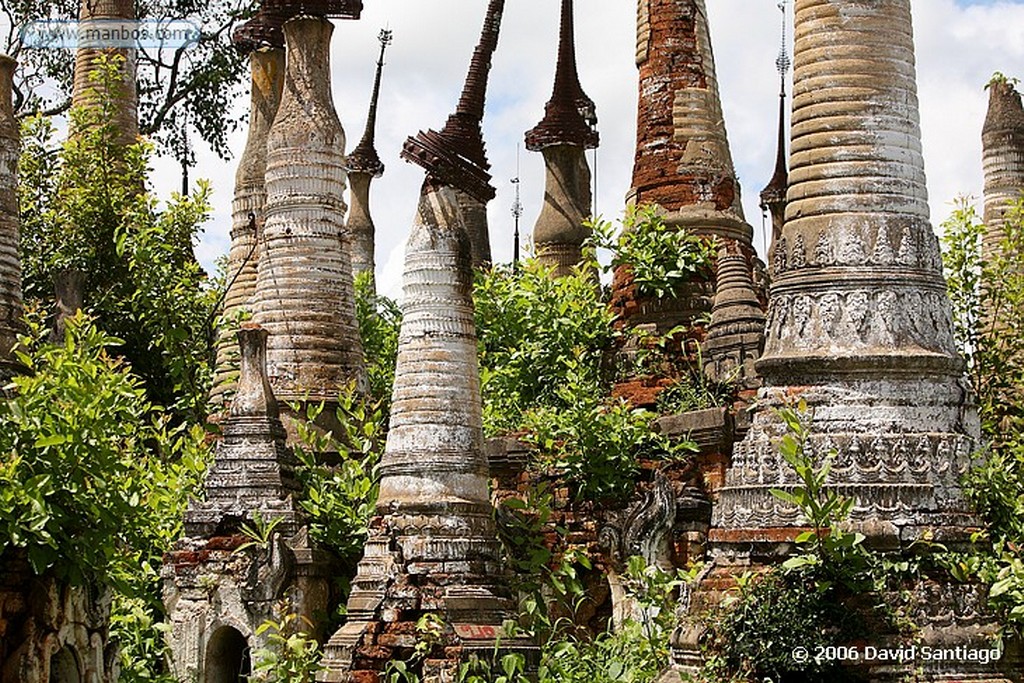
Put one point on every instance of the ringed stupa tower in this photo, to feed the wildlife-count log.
(363, 165)
(11, 309)
(563, 136)
(1002, 156)
(262, 38)
(433, 545)
(683, 165)
(304, 296)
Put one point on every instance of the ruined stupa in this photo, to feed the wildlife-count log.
(1003, 156)
(457, 152)
(563, 135)
(10, 263)
(363, 165)
(304, 295)
(432, 546)
(217, 594)
(859, 328)
(262, 38)
(683, 165)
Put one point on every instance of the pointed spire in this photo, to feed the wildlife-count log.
(364, 158)
(569, 116)
(252, 468)
(456, 155)
(773, 196)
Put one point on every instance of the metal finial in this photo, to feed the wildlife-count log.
(783, 62)
(385, 36)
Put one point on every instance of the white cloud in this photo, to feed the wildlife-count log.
(958, 49)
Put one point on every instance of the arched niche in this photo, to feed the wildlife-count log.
(64, 666)
(227, 657)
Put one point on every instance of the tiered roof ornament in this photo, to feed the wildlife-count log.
(565, 133)
(570, 116)
(456, 156)
(364, 158)
(773, 196)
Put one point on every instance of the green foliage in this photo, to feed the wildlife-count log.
(180, 90)
(379, 321)
(987, 292)
(339, 495)
(535, 331)
(83, 207)
(595, 445)
(662, 258)
(142, 650)
(82, 491)
(832, 554)
(771, 616)
(289, 655)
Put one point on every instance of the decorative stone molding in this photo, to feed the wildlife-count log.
(84, 89)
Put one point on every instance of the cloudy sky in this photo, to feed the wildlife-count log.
(960, 43)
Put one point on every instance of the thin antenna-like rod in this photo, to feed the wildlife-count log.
(517, 212)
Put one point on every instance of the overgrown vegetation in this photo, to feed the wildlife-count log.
(986, 287)
(84, 207)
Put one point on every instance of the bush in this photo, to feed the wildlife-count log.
(93, 482)
(536, 331)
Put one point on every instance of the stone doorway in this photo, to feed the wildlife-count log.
(227, 657)
(64, 667)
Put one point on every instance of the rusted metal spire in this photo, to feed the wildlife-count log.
(364, 158)
(456, 156)
(773, 196)
(569, 116)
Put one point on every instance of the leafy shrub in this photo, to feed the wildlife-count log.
(290, 655)
(84, 207)
(987, 293)
(594, 444)
(661, 258)
(339, 496)
(534, 332)
(93, 482)
(379, 321)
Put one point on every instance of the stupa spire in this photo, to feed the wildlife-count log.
(456, 156)
(563, 135)
(773, 196)
(363, 165)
